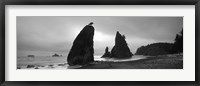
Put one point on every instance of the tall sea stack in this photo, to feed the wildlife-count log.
(82, 51)
(120, 49)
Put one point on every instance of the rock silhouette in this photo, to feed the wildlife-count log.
(31, 56)
(120, 49)
(82, 51)
(107, 53)
(55, 55)
(155, 49)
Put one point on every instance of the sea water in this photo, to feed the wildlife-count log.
(45, 61)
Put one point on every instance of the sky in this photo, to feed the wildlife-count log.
(57, 33)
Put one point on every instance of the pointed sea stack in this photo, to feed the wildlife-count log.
(120, 50)
(107, 53)
(82, 51)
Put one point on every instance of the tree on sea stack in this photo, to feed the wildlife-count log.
(82, 51)
(120, 49)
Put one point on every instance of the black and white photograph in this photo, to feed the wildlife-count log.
(99, 42)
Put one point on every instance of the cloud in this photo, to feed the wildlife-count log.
(57, 33)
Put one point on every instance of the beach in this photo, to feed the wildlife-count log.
(174, 61)
(171, 61)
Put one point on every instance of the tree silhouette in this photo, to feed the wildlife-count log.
(178, 44)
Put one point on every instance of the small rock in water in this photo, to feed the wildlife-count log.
(31, 56)
(30, 66)
(61, 64)
(50, 65)
(36, 68)
(55, 55)
(18, 67)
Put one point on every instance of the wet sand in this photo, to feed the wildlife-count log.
(153, 62)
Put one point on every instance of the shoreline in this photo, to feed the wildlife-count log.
(151, 62)
(171, 61)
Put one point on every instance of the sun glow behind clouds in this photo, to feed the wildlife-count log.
(100, 37)
(101, 40)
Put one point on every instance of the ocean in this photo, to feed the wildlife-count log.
(45, 61)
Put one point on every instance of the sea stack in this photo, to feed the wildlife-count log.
(82, 51)
(107, 53)
(120, 49)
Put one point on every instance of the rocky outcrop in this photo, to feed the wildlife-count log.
(155, 49)
(55, 55)
(30, 66)
(120, 49)
(107, 53)
(31, 56)
(82, 51)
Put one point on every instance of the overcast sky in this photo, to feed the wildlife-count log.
(56, 34)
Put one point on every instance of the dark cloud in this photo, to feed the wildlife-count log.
(48, 33)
